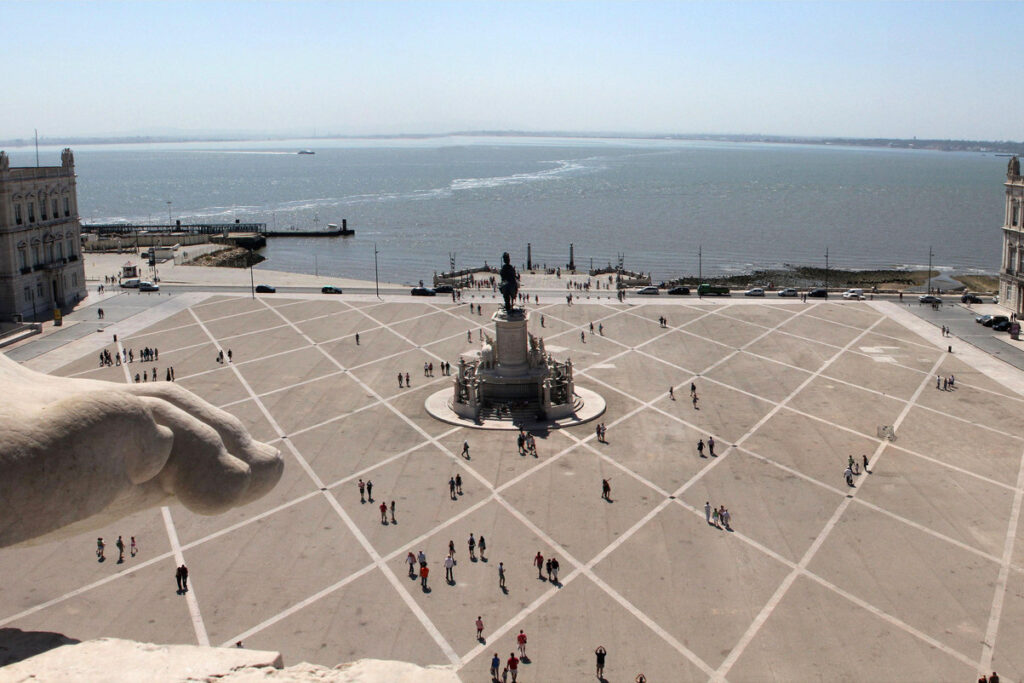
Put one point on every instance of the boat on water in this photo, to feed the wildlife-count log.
(332, 230)
(305, 151)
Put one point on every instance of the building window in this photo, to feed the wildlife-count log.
(56, 212)
(22, 258)
(67, 207)
(71, 247)
(17, 214)
(39, 289)
(28, 294)
(1016, 215)
(60, 250)
(42, 209)
(31, 212)
(49, 252)
(37, 256)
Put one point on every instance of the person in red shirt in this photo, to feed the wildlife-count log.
(424, 572)
(538, 562)
(521, 639)
(513, 665)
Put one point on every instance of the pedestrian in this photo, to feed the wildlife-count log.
(120, 550)
(357, 339)
(465, 450)
(430, 368)
(542, 321)
(469, 333)
(451, 548)
(601, 654)
(714, 517)
(547, 568)
(369, 490)
(865, 458)
(495, 665)
(513, 665)
(383, 513)
(554, 570)
(600, 329)
(521, 641)
(952, 379)
(479, 628)
(693, 389)
(99, 549)
(583, 337)
(538, 562)
(945, 384)
(184, 579)
(693, 397)
(410, 559)
(393, 513)
(424, 369)
(408, 384)
(177, 577)
(449, 576)
(501, 575)
(458, 484)
(671, 394)
(483, 548)
(134, 548)
(726, 517)
(707, 511)
(606, 489)
(362, 491)
(711, 446)
(848, 474)
(938, 382)
(597, 430)
(230, 356)
(472, 548)
(424, 573)
(700, 447)
(451, 488)
(399, 380)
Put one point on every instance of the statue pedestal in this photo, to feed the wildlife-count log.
(511, 342)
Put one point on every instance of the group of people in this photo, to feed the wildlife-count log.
(101, 549)
(945, 383)
(527, 444)
(710, 445)
(852, 469)
(601, 431)
(449, 564)
(220, 356)
(662, 321)
(428, 370)
(549, 565)
(168, 377)
(128, 356)
(717, 517)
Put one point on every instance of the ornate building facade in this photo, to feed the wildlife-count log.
(41, 266)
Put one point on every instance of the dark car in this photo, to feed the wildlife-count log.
(423, 291)
(265, 289)
(331, 289)
(444, 289)
(970, 299)
(1000, 323)
(679, 291)
(985, 320)
(819, 293)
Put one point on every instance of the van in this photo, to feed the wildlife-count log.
(712, 290)
(130, 283)
(853, 294)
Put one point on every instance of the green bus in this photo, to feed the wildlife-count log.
(712, 290)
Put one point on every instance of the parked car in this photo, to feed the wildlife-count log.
(650, 291)
(712, 290)
(819, 293)
(756, 291)
(423, 291)
(788, 291)
(679, 291)
(1000, 323)
(985, 320)
(130, 283)
(331, 289)
(857, 294)
(444, 289)
(929, 299)
(147, 286)
(265, 289)
(969, 298)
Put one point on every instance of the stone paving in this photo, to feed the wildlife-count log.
(916, 573)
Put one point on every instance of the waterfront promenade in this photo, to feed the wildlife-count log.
(914, 573)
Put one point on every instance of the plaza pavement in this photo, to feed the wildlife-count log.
(916, 574)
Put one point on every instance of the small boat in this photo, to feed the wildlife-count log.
(306, 151)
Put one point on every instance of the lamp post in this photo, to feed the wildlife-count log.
(826, 272)
(376, 277)
(929, 269)
(252, 283)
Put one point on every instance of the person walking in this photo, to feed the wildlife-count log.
(865, 457)
(451, 548)
(513, 666)
(693, 389)
(369, 490)
(700, 447)
(483, 548)
(134, 549)
(177, 578)
(383, 513)
(601, 653)
(714, 518)
(99, 549)
(458, 484)
(554, 570)
(495, 665)
(472, 548)
(410, 559)
(408, 383)
(479, 628)
(711, 446)
(547, 568)
(465, 450)
(357, 339)
(362, 491)
(671, 394)
(707, 511)
(449, 575)
(400, 385)
(693, 397)
(424, 573)
(606, 490)
(501, 575)
(451, 488)
(521, 641)
(538, 562)
(120, 550)
(184, 579)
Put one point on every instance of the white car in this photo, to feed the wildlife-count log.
(147, 286)
(857, 294)
(653, 291)
(788, 291)
(756, 291)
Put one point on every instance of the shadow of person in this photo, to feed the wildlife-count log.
(504, 590)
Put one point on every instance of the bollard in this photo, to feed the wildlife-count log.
(950, 348)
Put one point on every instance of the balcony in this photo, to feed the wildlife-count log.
(26, 270)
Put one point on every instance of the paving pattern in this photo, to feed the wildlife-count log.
(916, 573)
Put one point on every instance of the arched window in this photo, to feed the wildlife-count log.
(37, 252)
(18, 220)
(22, 255)
(42, 206)
(31, 212)
(56, 210)
(67, 207)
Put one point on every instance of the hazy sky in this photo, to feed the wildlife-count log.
(945, 70)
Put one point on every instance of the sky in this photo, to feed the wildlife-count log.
(856, 69)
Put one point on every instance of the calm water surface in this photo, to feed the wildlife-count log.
(652, 202)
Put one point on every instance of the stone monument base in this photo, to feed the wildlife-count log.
(588, 406)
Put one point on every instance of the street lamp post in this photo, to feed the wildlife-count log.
(376, 277)
(252, 283)
(929, 269)
(826, 271)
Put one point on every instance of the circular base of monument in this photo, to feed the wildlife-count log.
(590, 407)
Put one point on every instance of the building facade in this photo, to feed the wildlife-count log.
(41, 265)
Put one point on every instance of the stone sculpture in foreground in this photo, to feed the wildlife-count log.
(78, 453)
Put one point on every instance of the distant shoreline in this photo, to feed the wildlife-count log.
(1002, 147)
